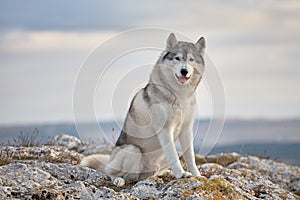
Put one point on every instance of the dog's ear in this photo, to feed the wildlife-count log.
(200, 45)
(171, 42)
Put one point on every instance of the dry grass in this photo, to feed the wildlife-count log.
(26, 140)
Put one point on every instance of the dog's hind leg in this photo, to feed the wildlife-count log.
(126, 164)
(96, 161)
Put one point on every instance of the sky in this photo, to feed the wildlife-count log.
(254, 45)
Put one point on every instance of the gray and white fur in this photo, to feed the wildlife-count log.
(159, 114)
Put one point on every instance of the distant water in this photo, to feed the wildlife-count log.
(288, 153)
(277, 139)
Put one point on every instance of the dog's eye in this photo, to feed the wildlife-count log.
(177, 58)
(191, 59)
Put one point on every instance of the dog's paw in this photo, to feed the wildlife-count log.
(119, 182)
(164, 172)
(185, 175)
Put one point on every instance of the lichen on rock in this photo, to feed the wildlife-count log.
(52, 172)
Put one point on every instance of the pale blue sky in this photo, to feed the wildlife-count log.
(254, 44)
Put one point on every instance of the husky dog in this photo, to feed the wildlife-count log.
(159, 114)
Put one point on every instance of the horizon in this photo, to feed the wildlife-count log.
(260, 137)
(226, 119)
(233, 131)
(250, 137)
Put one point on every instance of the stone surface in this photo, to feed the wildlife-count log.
(54, 154)
(68, 141)
(86, 148)
(52, 172)
(95, 149)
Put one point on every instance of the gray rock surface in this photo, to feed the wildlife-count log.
(54, 154)
(73, 143)
(68, 141)
(52, 172)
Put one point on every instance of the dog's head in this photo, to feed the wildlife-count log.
(184, 60)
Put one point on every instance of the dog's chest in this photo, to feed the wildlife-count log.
(183, 116)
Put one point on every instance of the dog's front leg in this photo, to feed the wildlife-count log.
(186, 143)
(167, 143)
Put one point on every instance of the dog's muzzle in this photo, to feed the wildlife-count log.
(182, 79)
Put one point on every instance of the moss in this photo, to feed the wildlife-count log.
(4, 162)
(215, 188)
(221, 159)
(5, 157)
(42, 154)
(166, 177)
(217, 184)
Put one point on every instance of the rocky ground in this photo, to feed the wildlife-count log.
(52, 172)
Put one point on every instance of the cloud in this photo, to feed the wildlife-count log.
(68, 15)
(119, 15)
(33, 41)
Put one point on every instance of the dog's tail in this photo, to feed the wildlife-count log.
(96, 161)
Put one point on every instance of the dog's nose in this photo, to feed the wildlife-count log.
(184, 72)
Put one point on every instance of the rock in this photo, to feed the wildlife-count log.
(222, 159)
(54, 181)
(202, 188)
(52, 154)
(255, 181)
(68, 141)
(96, 149)
(146, 189)
(286, 176)
(51, 172)
(73, 143)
